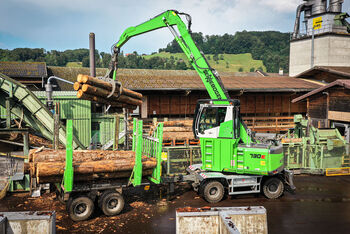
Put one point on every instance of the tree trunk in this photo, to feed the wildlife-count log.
(86, 96)
(90, 177)
(85, 79)
(47, 169)
(178, 136)
(79, 155)
(178, 123)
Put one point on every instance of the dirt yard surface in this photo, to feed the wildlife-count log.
(320, 205)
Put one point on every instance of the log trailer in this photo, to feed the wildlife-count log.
(233, 162)
(80, 196)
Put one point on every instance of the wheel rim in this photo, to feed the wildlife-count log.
(213, 191)
(112, 204)
(81, 209)
(272, 187)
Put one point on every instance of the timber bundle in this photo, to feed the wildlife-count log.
(97, 90)
(177, 130)
(47, 166)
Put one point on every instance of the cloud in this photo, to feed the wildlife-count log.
(66, 24)
(281, 5)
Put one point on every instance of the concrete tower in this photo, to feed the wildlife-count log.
(324, 39)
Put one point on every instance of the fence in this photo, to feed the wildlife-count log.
(269, 124)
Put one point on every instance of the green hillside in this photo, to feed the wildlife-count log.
(74, 64)
(223, 62)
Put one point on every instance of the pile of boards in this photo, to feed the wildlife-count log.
(177, 130)
(47, 166)
(103, 92)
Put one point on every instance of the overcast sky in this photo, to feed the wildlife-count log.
(66, 24)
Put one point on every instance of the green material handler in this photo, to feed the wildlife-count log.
(232, 160)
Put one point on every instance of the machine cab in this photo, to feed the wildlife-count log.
(216, 120)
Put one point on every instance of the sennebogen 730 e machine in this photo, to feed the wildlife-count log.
(232, 160)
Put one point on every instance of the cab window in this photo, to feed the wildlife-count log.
(211, 117)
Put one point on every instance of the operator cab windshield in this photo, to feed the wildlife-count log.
(211, 117)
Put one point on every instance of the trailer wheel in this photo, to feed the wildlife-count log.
(273, 188)
(213, 191)
(112, 203)
(80, 208)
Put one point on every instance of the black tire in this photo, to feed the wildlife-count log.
(213, 191)
(100, 198)
(273, 188)
(112, 204)
(80, 208)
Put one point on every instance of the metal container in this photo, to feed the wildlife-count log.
(29, 222)
(319, 7)
(222, 220)
(335, 6)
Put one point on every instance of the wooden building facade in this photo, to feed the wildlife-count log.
(329, 106)
(252, 104)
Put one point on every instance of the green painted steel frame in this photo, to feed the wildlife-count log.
(68, 176)
(146, 146)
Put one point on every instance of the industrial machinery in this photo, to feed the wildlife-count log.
(319, 18)
(231, 159)
(313, 150)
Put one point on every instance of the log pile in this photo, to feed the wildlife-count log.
(47, 166)
(97, 90)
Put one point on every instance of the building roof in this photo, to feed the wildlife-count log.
(24, 69)
(340, 72)
(147, 79)
(342, 83)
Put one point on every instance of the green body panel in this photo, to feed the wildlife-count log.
(217, 154)
(226, 129)
(220, 154)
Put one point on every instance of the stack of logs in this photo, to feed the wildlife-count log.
(47, 166)
(97, 90)
(177, 130)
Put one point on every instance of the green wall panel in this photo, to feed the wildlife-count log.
(82, 129)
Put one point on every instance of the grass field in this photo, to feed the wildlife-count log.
(74, 64)
(226, 62)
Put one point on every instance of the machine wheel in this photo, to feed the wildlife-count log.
(112, 203)
(80, 208)
(273, 188)
(213, 191)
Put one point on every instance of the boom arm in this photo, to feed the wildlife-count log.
(209, 76)
(170, 18)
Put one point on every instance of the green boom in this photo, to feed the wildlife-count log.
(223, 152)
